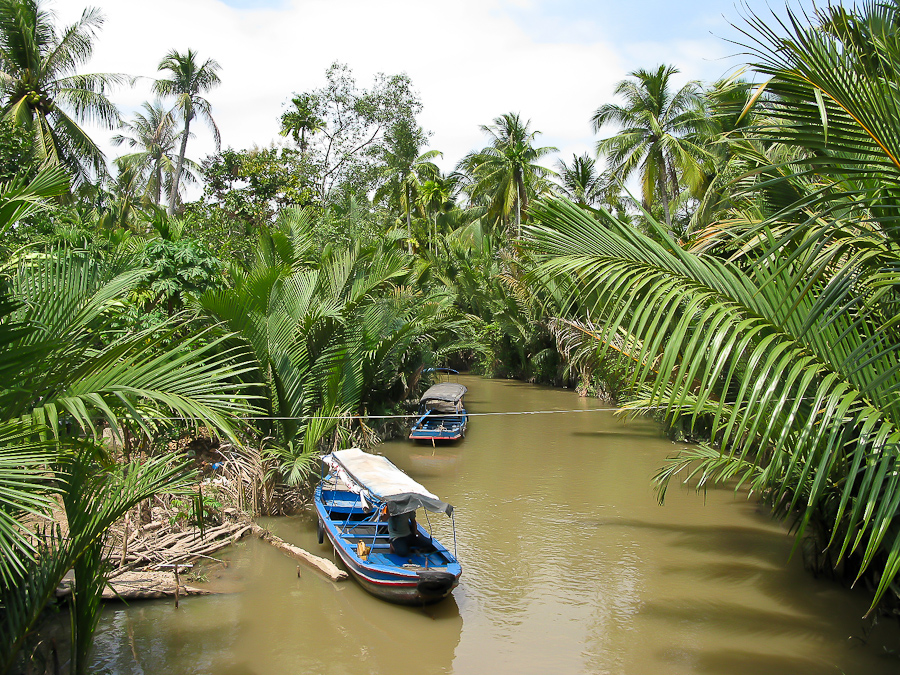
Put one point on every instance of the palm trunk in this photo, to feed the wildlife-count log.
(176, 179)
(408, 221)
(520, 195)
(665, 196)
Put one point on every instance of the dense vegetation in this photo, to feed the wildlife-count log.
(748, 296)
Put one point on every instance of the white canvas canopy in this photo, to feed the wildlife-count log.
(444, 397)
(374, 476)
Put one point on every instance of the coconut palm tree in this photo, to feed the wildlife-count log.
(656, 138)
(42, 91)
(506, 173)
(437, 195)
(301, 120)
(188, 80)
(580, 181)
(404, 170)
(153, 135)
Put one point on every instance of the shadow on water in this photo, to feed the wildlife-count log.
(732, 617)
(765, 544)
(730, 572)
(745, 663)
(744, 557)
(629, 434)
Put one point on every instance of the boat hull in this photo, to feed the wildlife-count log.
(439, 428)
(404, 589)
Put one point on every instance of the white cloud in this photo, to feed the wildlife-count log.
(470, 60)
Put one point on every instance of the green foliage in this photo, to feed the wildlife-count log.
(252, 186)
(178, 267)
(197, 509)
(22, 197)
(16, 152)
(334, 332)
(25, 490)
(510, 336)
(343, 224)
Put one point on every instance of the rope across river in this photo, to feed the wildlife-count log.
(276, 418)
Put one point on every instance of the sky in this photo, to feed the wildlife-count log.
(552, 61)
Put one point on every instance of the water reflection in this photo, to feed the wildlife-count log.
(439, 462)
(569, 566)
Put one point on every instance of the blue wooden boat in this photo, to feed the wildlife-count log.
(442, 414)
(352, 503)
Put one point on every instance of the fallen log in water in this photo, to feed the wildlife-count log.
(143, 585)
(323, 565)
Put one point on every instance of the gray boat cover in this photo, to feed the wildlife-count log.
(444, 391)
(376, 478)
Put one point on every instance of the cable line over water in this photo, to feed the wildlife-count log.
(275, 418)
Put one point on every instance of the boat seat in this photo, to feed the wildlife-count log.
(341, 504)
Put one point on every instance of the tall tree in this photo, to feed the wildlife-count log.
(580, 181)
(153, 135)
(405, 168)
(437, 195)
(507, 172)
(42, 91)
(347, 149)
(656, 136)
(301, 120)
(189, 79)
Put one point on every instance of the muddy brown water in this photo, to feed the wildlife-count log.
(569, 566)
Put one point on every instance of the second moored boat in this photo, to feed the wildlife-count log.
(442, 413)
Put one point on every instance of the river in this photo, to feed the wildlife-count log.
(569, 566)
